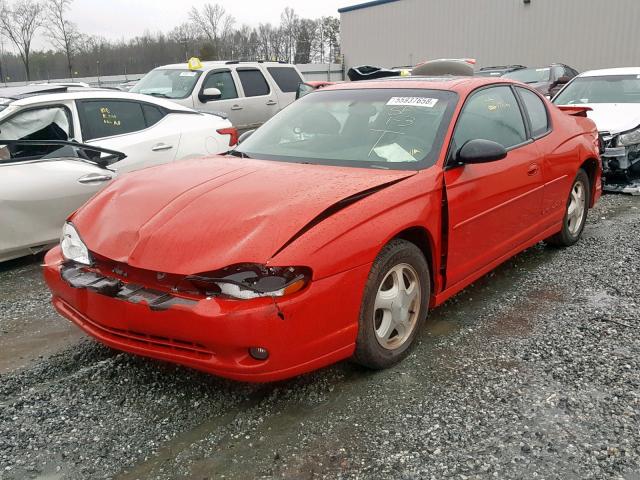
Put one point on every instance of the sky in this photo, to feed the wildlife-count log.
(116, 19)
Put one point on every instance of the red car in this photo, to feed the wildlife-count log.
(329, 232)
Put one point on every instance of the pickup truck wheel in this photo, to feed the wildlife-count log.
(575, 214)
(394, 305)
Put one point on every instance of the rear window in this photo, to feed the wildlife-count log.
(253, 83)
(286, 78)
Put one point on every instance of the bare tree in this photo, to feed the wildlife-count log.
(214, 22)
(64, 35)
(187, 36)
(19, 23)
(289, 21)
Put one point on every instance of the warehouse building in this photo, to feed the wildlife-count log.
(585, 34)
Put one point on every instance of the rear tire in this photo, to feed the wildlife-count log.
(394, 305)
(575, 213)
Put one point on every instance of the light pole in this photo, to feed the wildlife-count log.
(98, 70)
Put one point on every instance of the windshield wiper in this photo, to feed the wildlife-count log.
(161, 95)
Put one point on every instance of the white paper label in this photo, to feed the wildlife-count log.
(413, 101)
(187, 74)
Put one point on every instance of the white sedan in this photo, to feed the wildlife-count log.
(41, 184)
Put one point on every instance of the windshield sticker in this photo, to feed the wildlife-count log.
(394, 153)
(542, 69)
(413, 101)
(188, 74)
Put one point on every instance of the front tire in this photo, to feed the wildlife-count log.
(575, 215)
(394, 305)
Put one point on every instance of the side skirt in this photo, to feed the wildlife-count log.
(451, 291)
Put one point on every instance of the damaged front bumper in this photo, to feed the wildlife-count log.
(306, 331)
(620, 166)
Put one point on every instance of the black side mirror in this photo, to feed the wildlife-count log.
(481, 151)
(245, 135)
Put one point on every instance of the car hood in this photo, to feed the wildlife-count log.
(199, 215)
(614, 117)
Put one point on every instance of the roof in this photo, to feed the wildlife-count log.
(19, 92)
(364, 5)
(88, 94)
(456, 84)
(612, 71)
(208, 65)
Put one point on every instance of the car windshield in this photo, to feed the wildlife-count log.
(530, 75)
(376, 128)
(168, 83)
(604, 89)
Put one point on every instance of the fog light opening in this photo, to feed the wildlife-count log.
(259, 353)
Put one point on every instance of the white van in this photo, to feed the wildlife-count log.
(249, 93)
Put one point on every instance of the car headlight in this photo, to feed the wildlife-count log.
(73, 248)
(246, 281)
(631, 137)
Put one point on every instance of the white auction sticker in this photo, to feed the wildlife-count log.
(413, 101)
(187, 74)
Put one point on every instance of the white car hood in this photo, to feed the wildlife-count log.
(614, 117)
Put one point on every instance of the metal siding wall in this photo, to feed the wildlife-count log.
(585, 34)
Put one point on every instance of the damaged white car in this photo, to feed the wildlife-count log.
(614, 98)
(53, 138)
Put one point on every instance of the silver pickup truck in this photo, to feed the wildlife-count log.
(249, 93)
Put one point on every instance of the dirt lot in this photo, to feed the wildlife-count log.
(533, 372)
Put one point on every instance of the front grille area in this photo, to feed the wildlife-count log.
(80, 277)
(158, 343)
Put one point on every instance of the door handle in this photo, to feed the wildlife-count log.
(236, 107)
(94, 178)
(160, 147)
(533, 169)
(271, 102)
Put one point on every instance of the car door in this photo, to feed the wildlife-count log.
(36, 196)
(134, 128)
(492, 207)
(230, 101)
(260, 100)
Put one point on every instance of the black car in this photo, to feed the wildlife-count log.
(498, 70)
(547, 80)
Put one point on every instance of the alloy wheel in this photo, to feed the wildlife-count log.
(397, 306)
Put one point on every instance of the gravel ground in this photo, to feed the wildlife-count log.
(533, 372)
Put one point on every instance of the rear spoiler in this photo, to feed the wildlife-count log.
(575, 110)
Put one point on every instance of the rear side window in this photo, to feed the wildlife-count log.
(223, 81)
(537, 112)
(286, 78)
(106, 118)
(491, 114)
(152, 115)
(253, 83)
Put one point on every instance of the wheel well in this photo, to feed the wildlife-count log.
(590, 166)
(420, 238)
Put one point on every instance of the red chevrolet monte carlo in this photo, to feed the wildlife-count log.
(329, 232)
